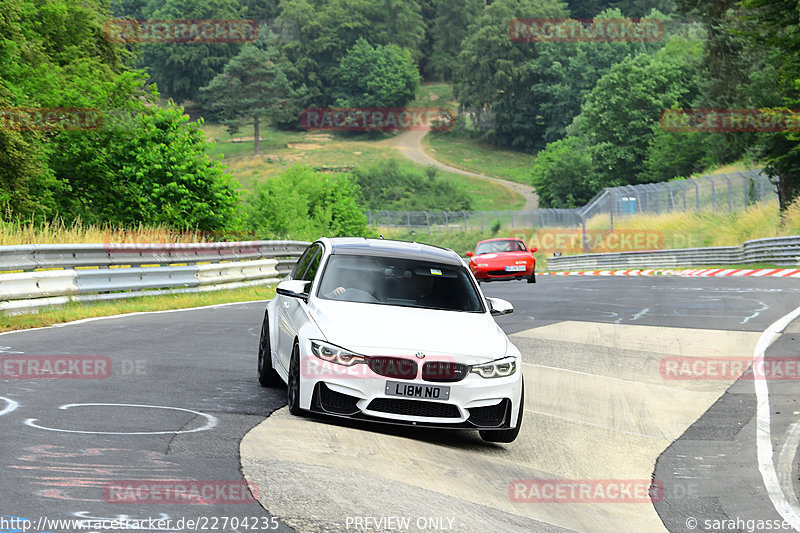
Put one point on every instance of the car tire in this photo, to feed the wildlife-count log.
(267, 376)
(293, 387)
(507, 435)
(532, 279)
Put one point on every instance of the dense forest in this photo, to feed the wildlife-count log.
(590, 110)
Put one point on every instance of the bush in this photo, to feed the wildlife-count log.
(562, 174)
(388, 186)
(305, 205)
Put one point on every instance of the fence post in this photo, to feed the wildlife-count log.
(713, 193)
(730, 193)
(613, 201)
(428, 221)
(585, 245)
(465, 221)
(482, 229)
(746, 188)
(696, 194)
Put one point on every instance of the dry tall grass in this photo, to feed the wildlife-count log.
(59, 232)
(707, 228)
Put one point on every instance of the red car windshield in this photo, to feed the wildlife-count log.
(506, 245)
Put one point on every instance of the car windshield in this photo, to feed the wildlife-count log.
(399, 282)
(506, 245)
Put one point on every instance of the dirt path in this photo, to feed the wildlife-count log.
(410, 144)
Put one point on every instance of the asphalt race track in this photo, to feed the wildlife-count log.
(182, 405)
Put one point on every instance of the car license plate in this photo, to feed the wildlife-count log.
(515, 268)
(416, 390)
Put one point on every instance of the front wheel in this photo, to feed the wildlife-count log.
(267, 376)
(507, 435)
(293, 388)
(532, 279)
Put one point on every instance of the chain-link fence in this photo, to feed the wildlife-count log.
(719, 192)
(473, 220)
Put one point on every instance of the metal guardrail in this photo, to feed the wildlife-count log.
(38, 256)
(780, 251)
(83, 272)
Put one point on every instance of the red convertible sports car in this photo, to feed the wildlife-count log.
(499, 259)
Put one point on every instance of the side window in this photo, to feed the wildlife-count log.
(302, 263)
(313, 265)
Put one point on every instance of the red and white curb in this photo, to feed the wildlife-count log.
(703, 272)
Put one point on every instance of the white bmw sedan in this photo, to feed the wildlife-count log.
(393, 332)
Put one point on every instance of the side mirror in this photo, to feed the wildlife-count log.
(469, 254)
(533, 249)
(500, 307)
(294, 288)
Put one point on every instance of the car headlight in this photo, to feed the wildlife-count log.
(335, 354)
(483, 264)
(496, 369)
(521, 262)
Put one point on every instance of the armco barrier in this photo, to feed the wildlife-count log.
(780, 251)
(104, 271)
(38, 256)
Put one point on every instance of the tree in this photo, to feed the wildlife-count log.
(147, 165)
(449, 28)
(775, 29)
(252, 87)
(495, 72)
(631, 8)
(561, 174)
(181, 69)
(141, 164)
(621, 112)
(672, 154)
(327, 30)
(568, 71)
(381, 76)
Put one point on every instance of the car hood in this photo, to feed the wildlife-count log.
(372, 329)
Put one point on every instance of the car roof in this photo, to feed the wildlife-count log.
(390, 248)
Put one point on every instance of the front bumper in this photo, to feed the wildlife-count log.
(498, 274)
(474, 402)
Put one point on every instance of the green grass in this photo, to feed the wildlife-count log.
(473, 155)
(434, 95)
(281, 150)
(77, 311)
